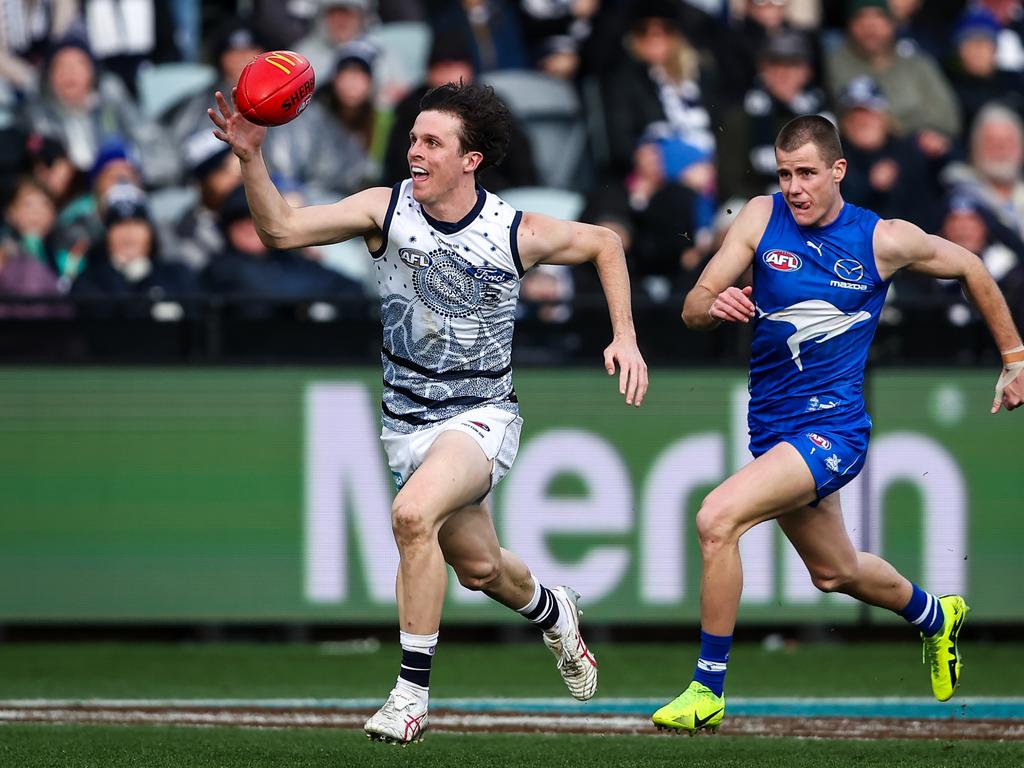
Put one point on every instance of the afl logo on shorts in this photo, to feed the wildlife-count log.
(783, 261)
(820, 441)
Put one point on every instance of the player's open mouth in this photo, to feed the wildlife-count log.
(418, 174)
(803, 205)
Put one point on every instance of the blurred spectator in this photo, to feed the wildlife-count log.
(233, 47)
(762, 20)
(663, 81)
(490, 28)
(918, 27)
(555, 31)
(47, 160)
(1010, 15)
(23, 276)
(248, 269)
(974, 74)
(29, 216)
(126, 264)
(664, 220)
(884, 172)
(338, 22)
(546, 294)
(782, 91)
(27, 28)
(992, 178)
(214, 168)
(449, 61)
(80, 222)
(126, 35)
(348, 100)
(921, 99)
(82, 108)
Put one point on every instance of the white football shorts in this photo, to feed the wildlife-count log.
(495, 431)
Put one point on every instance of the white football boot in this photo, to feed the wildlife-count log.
(576, 663)
(402, 719)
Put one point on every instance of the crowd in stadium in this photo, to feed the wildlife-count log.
(662, 125)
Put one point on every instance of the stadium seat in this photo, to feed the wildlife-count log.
(162, 86)
(559, 203)
(553, 119)
(406, 45)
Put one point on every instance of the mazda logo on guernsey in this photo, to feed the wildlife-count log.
(783, 261)
(820, 441)
(848, 269)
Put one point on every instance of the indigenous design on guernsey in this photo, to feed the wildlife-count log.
(448, 294)
(818, 295)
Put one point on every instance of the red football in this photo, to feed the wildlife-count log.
(275, 87)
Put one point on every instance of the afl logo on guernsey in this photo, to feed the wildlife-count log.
(820, 441)
(415, 259)
(783, 261)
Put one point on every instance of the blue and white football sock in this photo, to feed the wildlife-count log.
(924, 611)
(542, 609)
(417, 654)
(713, 661)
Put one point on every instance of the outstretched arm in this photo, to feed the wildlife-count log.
(901, 244)
(715, 298)
(279, 224)
(544, 240)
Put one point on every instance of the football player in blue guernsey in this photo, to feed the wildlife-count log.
(449, 257)
(821, 268)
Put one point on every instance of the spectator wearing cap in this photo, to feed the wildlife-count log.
(449, 61)
(126, 267)
(886, 173)
(665, 79)
(235, 45)
(974, 72)
(782, 90)
(82, 107)
(922, 101)
(993, 176)
(215, 172)
(760, 21)
(247, 270)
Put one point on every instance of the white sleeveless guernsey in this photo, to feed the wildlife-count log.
(448, 294)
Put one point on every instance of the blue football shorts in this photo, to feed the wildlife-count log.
(834, 456)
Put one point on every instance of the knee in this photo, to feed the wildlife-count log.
(717, 523)
(833, 578)
(478, 574)
(408, 522)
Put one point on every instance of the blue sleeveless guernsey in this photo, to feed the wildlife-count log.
(818, 296)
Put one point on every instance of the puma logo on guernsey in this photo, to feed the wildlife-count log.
(814, 320)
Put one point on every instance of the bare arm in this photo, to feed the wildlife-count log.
(715, 298)
(279, 224)
(544, 240)
(899, 244)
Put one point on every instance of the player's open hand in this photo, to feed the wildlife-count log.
(244, 137)
(1010, 387)
(733, 305)
(632, 369)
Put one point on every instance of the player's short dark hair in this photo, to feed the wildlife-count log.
(811, 129)
(486, 121)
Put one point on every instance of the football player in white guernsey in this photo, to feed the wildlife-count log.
(449, 257)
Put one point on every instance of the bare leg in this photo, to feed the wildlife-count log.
(819, 535)
(769, 486)
(470, 546)
(454, 473)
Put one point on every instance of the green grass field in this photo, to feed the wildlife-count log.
(307, 671)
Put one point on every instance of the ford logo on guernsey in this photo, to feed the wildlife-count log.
(783, 261)
(489, 274)
(820, 441)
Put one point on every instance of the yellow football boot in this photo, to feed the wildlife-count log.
(697, 709)
(941, 652)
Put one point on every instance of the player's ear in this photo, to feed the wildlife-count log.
(839, 169)
(471, 161)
